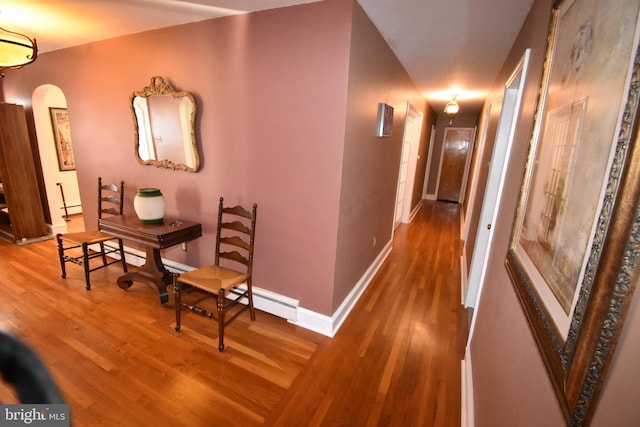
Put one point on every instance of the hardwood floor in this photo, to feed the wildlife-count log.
(119, 362)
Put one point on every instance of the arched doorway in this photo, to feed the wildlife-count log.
(45, 98)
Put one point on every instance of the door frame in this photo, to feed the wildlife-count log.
(415, 115)
(510, 112)
(427, 173)
(482, 138)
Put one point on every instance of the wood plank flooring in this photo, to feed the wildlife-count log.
(119, 362)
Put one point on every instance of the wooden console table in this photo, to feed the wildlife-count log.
(170, 232)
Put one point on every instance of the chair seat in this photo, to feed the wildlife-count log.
(89, 237)
(213, 278)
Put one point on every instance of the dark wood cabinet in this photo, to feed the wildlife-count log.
(21, 213)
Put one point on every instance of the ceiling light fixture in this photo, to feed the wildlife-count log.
(451, 109)
(16, 50)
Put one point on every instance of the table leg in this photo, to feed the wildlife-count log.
(153, 272)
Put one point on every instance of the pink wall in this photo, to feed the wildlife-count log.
(371, 164)
(270, 127)
(272, 90)
(511, 385)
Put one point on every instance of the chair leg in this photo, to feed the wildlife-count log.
(124, 261)
(85, 258)
(221, 319)
(252, 312)
(177, 291)
(104, 256)
(61, 255)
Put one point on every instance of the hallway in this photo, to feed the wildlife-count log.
(396, 360)
(118, 361)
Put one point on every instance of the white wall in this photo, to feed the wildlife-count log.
(44, 97)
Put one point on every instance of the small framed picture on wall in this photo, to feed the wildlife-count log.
(62, 138)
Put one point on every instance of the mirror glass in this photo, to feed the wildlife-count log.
(164, 121)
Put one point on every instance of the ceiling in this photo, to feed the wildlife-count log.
(453, 47)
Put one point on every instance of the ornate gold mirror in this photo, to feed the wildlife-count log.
(164, 121)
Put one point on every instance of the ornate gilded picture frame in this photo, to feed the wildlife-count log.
(575, 242)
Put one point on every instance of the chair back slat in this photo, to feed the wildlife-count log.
(235, 241)
(110, 187)
(110, 211)
(234, 256)
(111, 199)
(237, 226)
(238, 211)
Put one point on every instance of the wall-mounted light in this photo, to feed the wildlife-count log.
(451, 109)
(16, 50)
(385, 120)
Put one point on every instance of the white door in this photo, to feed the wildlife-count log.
(427, 173)
(408, 164)
(495, 181)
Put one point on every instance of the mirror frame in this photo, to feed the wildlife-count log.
(158, 86)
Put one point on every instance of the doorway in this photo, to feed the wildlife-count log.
(495, 181)
(56, 180)
(457, 147)
(408, 164)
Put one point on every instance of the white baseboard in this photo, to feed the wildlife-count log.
(415, 211)
(329, 325)
(61, 225)
(315, 322)
(431, 197)
(286, 307)
(467, 418)
(29, 240)
(462, 222)
(54, 229)
(463, 276)
(72, 209)
(276, 304)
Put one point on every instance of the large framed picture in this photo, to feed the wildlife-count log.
(62, 138)
(574, 244)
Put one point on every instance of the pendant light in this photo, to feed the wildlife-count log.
(16, 50)
(451, 109)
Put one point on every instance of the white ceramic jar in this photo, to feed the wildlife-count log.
(149, 205)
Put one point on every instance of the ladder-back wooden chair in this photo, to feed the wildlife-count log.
(75, 247)
(222, 284)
